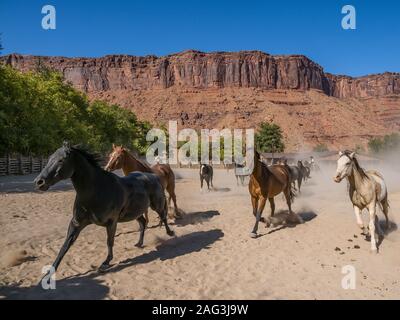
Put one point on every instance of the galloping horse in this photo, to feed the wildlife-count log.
(120, 158)
(266, 182)
(367, 189)
(102, 198)
(296, 174)
(304, 169)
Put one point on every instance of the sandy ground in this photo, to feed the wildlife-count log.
(212, 256)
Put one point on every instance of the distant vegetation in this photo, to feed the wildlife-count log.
(269, 138)
(321, 147)
(387, 144)
(38, 110)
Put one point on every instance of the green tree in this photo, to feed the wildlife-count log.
(388, 143)
(38, 110)
(269, 138)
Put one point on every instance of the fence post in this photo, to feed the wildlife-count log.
(20, 169)
(8, 164)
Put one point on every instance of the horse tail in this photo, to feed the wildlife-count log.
(292, 189)
(292, 192)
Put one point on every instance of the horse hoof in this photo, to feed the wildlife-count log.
(171, 233)
(139, 245)
(374, 251)
(104, 267)
(253, 235)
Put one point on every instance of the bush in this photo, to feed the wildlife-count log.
(321, 147)
(38, 110)
(388, 143)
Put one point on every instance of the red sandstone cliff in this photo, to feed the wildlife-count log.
(194, 69)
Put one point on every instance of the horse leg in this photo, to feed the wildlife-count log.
(357, 212)
(211, 179)
(201, 183)
(208, 182)
(378, 227)
(260, 209)
(146, 216)
(254, 203)
(385, 209)
(372, 213)
(74, 230)
(111, 229)
(272, 205)
(142, 223)
(163, 217)
(299, 182)
(171, 192)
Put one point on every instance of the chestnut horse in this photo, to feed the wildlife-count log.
(121, 158)
(266, 182)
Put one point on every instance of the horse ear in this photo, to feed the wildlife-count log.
(352, 155)
(340, 153)
(113, 146)
(66, 144)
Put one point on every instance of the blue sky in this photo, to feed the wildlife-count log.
(312, 28)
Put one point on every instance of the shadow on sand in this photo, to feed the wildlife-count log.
(80, 287)
(195, 218)
(282, 220)
(86, 286)
(220, 189)
(172, 248)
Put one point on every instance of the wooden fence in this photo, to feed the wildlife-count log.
(18, 164)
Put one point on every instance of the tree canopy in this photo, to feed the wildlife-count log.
(269, 138)
(38, 111)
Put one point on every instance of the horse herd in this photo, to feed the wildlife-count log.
(104, 199)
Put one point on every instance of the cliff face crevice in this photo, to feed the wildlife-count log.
(194, 69)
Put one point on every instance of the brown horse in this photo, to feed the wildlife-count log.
(266, 182)
(121, 158)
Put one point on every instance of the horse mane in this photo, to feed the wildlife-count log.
(93, 158)
(360, 170)
(144, 165)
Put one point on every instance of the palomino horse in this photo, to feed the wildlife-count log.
(367, 188)
(266, 182)
(120, 158)
(102, 198)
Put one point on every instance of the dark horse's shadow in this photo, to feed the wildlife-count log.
(173, 248)
(195, 218)
(86, 286)
(74, 288)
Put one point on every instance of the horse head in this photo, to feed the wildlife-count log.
(116, 158)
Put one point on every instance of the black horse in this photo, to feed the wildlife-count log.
(206, 173)
(102, 198)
